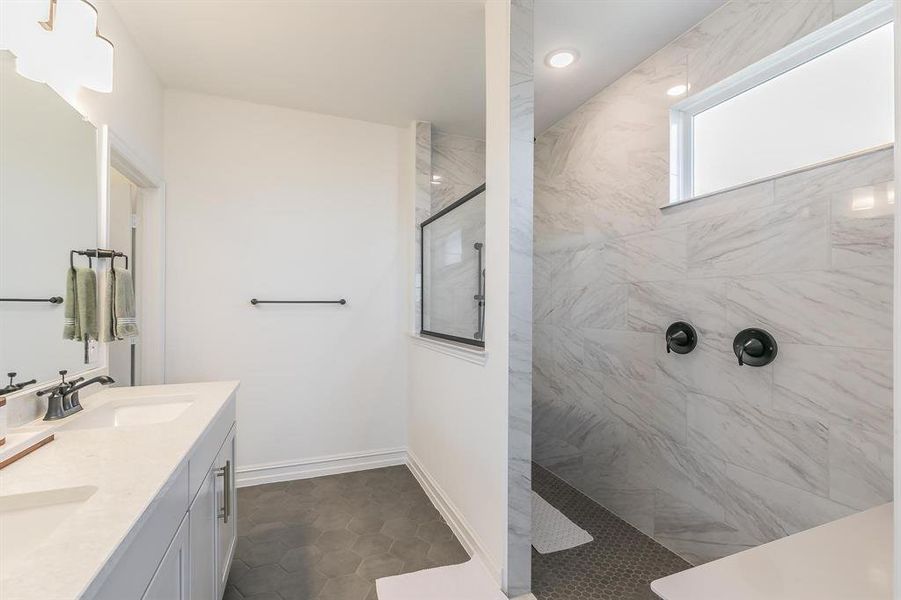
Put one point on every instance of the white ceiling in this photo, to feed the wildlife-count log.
(611, 36)
(392, 61)
(387, 61)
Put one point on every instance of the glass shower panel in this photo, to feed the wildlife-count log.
(453, 263)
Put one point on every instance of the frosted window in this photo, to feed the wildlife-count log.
(837, 104)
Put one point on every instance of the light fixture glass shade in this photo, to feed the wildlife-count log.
(56, 42)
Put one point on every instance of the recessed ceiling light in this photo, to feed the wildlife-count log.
(559, 59)
(677, 90)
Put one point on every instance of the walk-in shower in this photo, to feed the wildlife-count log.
(712, 351)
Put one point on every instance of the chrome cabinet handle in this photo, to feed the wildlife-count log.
(226, 474)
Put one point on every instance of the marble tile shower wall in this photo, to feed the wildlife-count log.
(459, 162)
(708, 457)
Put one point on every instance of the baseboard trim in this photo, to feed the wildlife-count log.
(454, 518)
(319, 466)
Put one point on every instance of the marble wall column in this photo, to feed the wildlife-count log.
(519, 441)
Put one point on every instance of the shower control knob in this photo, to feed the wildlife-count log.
(754, 347)
(681, 338)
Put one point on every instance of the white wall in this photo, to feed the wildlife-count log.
(134, 109)
(272, 203)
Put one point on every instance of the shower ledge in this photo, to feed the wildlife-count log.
(847, 558)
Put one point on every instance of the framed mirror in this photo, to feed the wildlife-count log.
(49, 205)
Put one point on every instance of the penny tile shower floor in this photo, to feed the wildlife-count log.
(330, 538)
(619, 564)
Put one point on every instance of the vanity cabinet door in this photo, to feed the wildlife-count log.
(203, 540)
(172, 579)
(227, 509)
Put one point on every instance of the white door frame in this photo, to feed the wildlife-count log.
(152, 251)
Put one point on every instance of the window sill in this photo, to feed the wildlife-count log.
(474, 355)
(803, 169)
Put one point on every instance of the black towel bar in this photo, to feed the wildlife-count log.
(51, 300)
(254, 301)
(92, 253)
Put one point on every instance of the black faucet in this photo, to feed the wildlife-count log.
(15, 387)
(63, 399)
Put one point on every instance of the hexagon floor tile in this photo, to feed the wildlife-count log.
(332, 537)
(619, 564)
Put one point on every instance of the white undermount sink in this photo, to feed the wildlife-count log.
(26, 520)
(128, 412)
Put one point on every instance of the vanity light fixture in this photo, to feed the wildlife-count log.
(559, 59)
(677, 90)
(58, 42)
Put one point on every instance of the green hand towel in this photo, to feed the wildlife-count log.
(118, 306)
(71, 326)
(80, 322)
(124, 311)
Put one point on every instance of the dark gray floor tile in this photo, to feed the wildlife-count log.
(323, 536)
(232, 593)
(336, 540)
(365, 524)
(434, 531)
(297, 536)
(302, 585)
(238, 569)
(267, 578)
(346, 587)
(380, 565)
(265, 532)
(447, 553)
(373, 543)
(297, 559)
(619, 564)
(264, 553)
(338, 562)
(329, 522)
(408, 549)
(400, 527)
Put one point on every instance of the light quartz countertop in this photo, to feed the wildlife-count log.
(128, 466)
(847, 559)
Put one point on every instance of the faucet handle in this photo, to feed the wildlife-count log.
(62, 374)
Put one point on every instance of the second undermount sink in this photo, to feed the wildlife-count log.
(146, 410)
(26, 520)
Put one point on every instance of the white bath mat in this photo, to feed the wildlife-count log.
(552, 531)
(466, 581)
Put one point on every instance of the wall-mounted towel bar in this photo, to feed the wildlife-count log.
(93, 253)
(51, 300)
(254, 301)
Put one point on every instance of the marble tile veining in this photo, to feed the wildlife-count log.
(851, 308)
(860, 466)
(708, 457)
(843, 385)
(787, 448)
